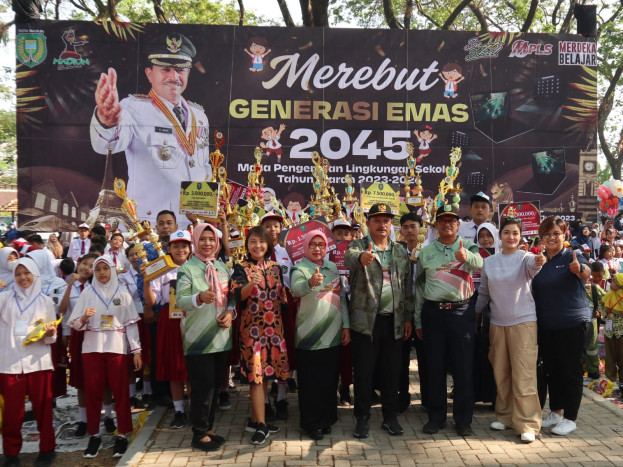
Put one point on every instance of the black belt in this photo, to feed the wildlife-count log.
(448, 305)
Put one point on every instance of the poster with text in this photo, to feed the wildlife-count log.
(521, 106)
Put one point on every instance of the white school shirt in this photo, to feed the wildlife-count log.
(122, 260)
(16, 358)
(160, 286)
(75, 248)
(74, 295)
(124, 329)
(129, 279)
(282, 257)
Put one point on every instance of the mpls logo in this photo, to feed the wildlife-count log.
(522, 49)
(70, 58)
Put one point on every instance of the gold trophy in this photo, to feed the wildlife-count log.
(217, 157)
(360, 217)
(161, 265)
(413, 196)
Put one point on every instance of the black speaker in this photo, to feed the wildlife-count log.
(26, 10)
(586, 16)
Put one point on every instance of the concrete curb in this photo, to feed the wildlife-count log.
(608, 405)
(139, 445)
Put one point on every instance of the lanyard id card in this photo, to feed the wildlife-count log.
(21, 328)
(106, 322)
(174, 312)
(609, 326)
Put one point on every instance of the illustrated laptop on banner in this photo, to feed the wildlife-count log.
(492, 116)
(548, 171)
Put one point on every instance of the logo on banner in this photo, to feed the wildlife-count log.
(70, 57)
(522, 49)
(478, 50)
(577, 53)
(31, 48)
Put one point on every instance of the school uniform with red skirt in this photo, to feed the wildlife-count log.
(169, 342)
(26, 370)
(76, 374)
(130, 280)
(110, 335)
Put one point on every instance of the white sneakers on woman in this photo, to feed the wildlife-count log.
(498, 426)
(552, 419)
(564, 427)
(528, 437)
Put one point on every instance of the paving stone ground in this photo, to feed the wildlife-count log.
(596, 442)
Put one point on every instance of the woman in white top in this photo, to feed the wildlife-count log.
(106, 313)
(76, 284)
(8, 256)
(506, 285)
(26, 370)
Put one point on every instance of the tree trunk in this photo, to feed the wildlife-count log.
(320, 13)
(390, 17)
(605, 107)
(530, 18)
(241, 20)
(160, 16)
(306, 13)
(455, 14)
(408, 14)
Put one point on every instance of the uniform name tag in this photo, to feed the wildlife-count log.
(165, 130)
(609, 325)
(21, 328)
(106, 322)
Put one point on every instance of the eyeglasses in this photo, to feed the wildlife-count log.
(447, 221)
(553, 235)
(316, 245)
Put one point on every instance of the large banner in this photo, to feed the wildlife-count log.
(521, 106)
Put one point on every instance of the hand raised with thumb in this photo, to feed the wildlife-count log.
(316, 278)
(540, 259)
(461, 253)
(367, 256)
(574, 266)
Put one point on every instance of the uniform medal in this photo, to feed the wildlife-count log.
(164, 152)
(191, 161)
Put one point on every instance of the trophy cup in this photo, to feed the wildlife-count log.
(360, 217)
(159, 266)
(217, 157)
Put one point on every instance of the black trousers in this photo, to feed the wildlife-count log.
(449, 339)
(204, 375)
(317, 374)
(561, 350)
(403, 382)
(382, 348)
(420, 350)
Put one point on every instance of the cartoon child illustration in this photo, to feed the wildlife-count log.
(451, 74)
(272, 140)
(257, 46)
(294, 205)
(425, 136)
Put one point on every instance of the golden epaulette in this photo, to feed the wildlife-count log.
(140, 96)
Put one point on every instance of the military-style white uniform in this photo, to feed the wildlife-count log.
(157, 163)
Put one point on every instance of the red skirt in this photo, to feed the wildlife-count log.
(145, 336)
(170, 349)
(76, 374)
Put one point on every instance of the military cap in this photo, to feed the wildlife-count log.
(173, 49)
(447, 210)
(380, 209)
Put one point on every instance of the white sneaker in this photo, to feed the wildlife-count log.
(552, 419)
(564, 427)
(528, 437)
(498, 426)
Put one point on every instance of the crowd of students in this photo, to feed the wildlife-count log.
(309, 327)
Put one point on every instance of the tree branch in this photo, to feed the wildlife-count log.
(565, 27)
(605, 107)
(82, 6)
(159, 11)
(423, 13)
(455, 14)
(484, 27)
(285, 12)
(555, 12)
(112, 10)
(530, 17)
(408, 14)
(241, 5)
(390, 17)
(320, 17)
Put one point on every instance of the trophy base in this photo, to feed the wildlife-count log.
(157, 267)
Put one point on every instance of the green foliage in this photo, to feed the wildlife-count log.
(604, 173)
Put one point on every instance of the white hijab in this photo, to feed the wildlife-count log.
(6, 268)
(106, 291)
(25, 296)
(494, 231)
(49, 280)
